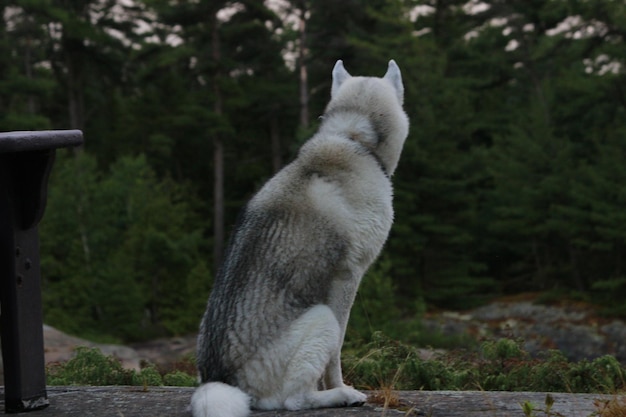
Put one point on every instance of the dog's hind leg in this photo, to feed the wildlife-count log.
(312, 341)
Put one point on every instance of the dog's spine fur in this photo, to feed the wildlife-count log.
(216, 399)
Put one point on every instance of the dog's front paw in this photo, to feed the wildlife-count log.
(353, 397)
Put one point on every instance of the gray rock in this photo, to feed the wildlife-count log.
(173, 402)
(60, 347)
(572, 328)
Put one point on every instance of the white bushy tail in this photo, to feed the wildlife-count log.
(216, 399)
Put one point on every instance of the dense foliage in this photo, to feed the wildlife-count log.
(497, 366)
(385, 364)
(90, 367)
(513, 177)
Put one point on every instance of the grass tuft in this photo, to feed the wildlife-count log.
(501, 365)
(615, 407)
(90, 367)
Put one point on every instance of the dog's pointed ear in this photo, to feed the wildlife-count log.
(394, 77)
(339, 76)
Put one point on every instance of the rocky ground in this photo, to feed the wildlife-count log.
(174, 401)
(59, 347)
(573, 328)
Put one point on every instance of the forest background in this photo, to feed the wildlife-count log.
(512, 179)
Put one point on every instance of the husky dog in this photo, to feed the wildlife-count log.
(272, 333)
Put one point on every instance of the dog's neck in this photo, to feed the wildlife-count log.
(353, 124)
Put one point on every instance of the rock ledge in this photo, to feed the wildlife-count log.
(173, 402)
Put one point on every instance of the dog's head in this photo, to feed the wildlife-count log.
(392, 76)
(378, 99)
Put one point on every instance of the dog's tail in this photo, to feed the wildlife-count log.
(216, 399)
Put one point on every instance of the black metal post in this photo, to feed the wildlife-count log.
(26, 160)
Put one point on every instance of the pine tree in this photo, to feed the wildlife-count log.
(25, 84)
(144, 250)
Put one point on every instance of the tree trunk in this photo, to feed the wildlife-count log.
(578, 278)
(302, 61)
(275, 142)
(218, 152)
(28, 69)
(75, 85)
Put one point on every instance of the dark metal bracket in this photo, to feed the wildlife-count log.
(26, 159)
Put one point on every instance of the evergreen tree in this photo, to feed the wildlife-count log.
(144, 251)
(84, 47)
(510, 179)
(556, 105)
(25, 84)
(228, 61)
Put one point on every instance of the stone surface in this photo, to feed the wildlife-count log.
(59, 347)
(165, 351)
(173, 402)
(573, 328)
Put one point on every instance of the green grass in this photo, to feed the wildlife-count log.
(90, 367)
(500, 365)
(385, 364)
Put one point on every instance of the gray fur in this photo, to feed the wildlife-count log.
(278, 312)
(278, 265)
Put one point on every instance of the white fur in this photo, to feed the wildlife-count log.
(388, 104)
(341, 179)
(285, 374)
(394, 77)
(339, 76)
(216, 399)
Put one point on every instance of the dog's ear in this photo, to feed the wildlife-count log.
(394, 77)
(339, 76)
